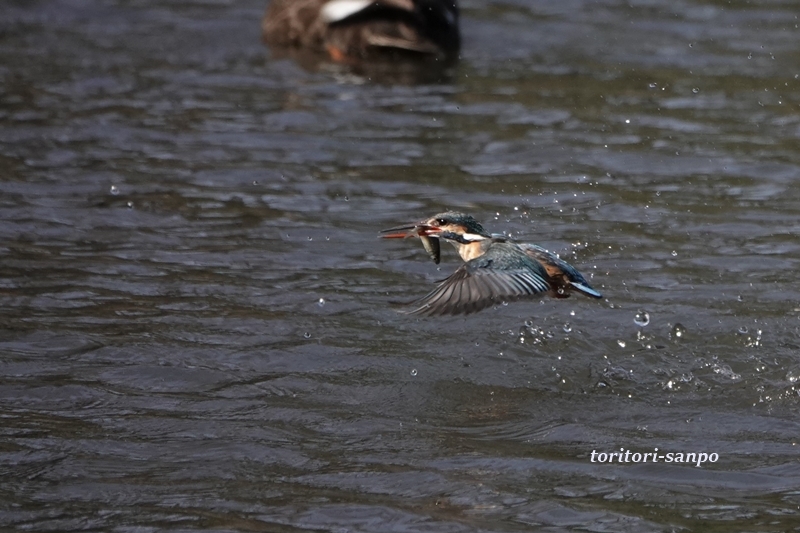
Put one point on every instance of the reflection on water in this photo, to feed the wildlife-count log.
(196, 322)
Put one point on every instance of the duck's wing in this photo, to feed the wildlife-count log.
(563, 276)
(395, 24)
(348, 28)
(503, 273)
(305, 22)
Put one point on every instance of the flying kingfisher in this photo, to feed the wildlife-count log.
(496, 267)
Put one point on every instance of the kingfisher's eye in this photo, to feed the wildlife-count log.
(441, 221)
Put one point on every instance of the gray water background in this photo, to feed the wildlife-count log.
(196, 331)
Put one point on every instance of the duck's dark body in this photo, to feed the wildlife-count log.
(354, 30)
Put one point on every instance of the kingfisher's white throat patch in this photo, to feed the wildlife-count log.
(473, 237)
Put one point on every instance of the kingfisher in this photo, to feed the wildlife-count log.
(496, 268)
(354, 30)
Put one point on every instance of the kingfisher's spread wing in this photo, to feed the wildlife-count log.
(503, 273)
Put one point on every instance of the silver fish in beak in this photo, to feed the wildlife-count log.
(426, 234)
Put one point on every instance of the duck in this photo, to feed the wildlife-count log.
(359, 30)
(496, 268)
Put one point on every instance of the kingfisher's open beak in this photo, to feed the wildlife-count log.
(414, 230)
(421, 230)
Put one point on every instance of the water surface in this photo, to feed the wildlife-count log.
(196, 330)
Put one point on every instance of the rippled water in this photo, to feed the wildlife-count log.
(195, 321)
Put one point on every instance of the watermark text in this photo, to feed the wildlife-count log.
(627, 456)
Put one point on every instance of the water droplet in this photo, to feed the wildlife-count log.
(346, 198)
(696, 90)
(678, 330)
(310, 238)
(572, 313)
(321, 302)
(674, 253)
(725, 371)
(114, 190)
(743, 330)
(307, 335)
(129, 204)
(621, 343)
(653, 85)
(567, 327)
(413, 371)
(739, 298)
(642, 318)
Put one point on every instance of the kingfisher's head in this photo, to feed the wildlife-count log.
(459, 229)
(455, 227)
